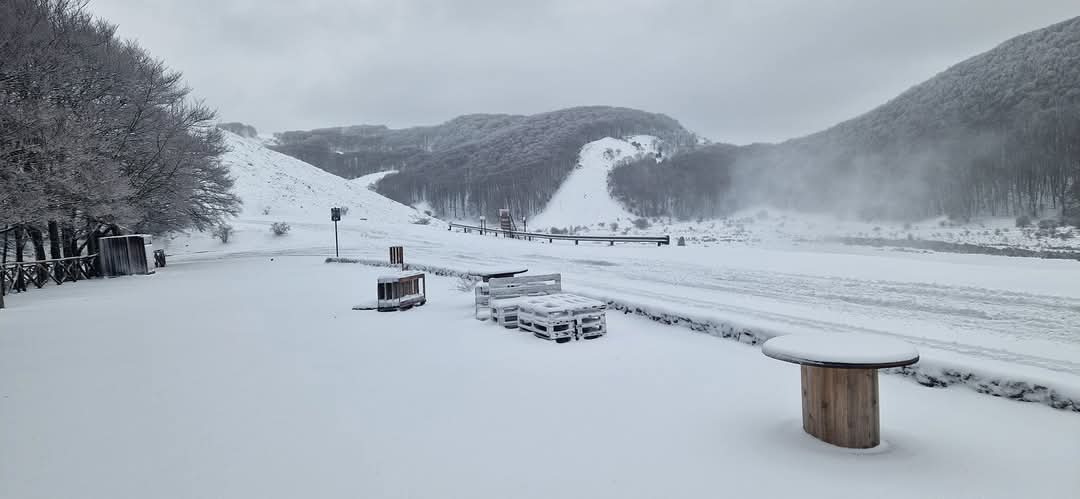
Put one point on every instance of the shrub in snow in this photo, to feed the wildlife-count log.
(614, 226)
(1023, 221)
(344, 210)
(422, 221)
(558, 231)
(223, 232)
(279, 228)
(466, 284)
(1049, 224)
(642, 224)
(266, 210)
(682, 241)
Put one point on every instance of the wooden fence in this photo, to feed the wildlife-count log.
(20, 276)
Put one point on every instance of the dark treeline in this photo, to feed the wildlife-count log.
(95, 133)
(683, 186)
(521, 166)
(997, 134)
(355, 151)
(476, 164)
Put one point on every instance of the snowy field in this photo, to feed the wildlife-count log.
(251, 377)
(1000, 319)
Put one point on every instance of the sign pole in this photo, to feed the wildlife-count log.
(335, 215)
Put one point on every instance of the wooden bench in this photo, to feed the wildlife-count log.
(506, 292)
(482, 310)
(840, 382)
(562, 317)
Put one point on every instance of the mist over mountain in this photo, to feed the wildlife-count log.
(475, 164)
(996, 134)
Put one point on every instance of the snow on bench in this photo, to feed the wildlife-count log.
(562, 317)
(503, 293)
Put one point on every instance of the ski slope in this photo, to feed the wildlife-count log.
(278, 187)
(583, 197)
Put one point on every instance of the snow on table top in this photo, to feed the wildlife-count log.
(497, 271)
(840, 350)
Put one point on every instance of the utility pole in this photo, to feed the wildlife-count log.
(335, 215)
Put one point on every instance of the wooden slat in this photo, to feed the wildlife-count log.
(840, 406)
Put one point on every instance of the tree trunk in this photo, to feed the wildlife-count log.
(54, 250)
(20, 241)
(38, 239)
(54, 240)
(69, 242)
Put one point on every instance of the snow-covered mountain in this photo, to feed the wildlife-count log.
(274, 186)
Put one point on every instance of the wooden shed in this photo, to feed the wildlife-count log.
(126, 255)
(401, 291)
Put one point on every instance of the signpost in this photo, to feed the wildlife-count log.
(335, 215)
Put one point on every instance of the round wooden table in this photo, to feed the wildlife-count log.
(840, 382)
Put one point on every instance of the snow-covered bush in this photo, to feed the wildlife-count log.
(466, 284)
(642, 224)
(1048, 224)
(422, 221)
(558, 231)
(1023, 221)
(223, 232)
(682, 241)
(614, 226)
(280, 228)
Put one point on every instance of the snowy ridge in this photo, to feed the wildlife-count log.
(274, 186)
(935, 369)
(583, 198)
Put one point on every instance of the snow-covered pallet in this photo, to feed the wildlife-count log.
(503, 295)
(562, 317)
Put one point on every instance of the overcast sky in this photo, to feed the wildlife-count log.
(734, 71)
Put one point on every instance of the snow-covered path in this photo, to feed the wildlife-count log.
(1011, 316)
(250, 377)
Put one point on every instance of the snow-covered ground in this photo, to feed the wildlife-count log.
(583, 197)
(240, 370)
(1002, 319)
(251, 377)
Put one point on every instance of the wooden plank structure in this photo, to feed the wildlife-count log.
(401, 291)
(840, 382)
(126, 255)
(397, 256)
(505, 294)
(562, 317)
(482, 310)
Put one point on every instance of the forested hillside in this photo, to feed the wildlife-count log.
(996, 134)
(476, 164)
(356, 151)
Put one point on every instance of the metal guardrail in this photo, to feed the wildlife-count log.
(659, 240)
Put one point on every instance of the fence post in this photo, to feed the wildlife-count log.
(3, 268)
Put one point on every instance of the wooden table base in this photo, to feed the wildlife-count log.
(840, 406)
